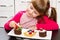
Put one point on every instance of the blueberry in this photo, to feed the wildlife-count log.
(29, 30)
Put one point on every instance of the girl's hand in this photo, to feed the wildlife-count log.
(12, 24)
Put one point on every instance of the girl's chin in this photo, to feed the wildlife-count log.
(28, 15)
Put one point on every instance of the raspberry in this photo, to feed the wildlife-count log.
(30, 32)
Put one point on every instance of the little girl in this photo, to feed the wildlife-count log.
(35, 17)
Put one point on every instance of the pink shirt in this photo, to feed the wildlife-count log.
(47, 23)
(27, 21)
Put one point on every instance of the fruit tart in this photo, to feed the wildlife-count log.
(29, 33)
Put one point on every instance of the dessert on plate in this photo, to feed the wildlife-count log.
(18, 30)
(29, 33)
(42, 33)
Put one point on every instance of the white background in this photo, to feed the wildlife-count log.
(6, 11)
(58, 12)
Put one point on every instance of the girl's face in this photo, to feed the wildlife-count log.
(31, 11)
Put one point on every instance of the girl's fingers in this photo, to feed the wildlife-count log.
(12, 24)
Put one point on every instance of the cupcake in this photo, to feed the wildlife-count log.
(18, 30)
(42, 33)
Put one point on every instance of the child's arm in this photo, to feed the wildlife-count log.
(16, 18)
(49, 25)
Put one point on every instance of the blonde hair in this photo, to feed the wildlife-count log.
(42, 6)
(53, 14)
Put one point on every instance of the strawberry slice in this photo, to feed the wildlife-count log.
(16, 26)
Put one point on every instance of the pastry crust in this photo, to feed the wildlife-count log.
(29, 35)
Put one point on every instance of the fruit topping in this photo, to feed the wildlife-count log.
(41, 29)
(30, 32)
(16, 26)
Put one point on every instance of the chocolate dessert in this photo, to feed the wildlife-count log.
(42, 33)
(18, 30)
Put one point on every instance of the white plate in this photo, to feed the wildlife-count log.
(49, 34)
